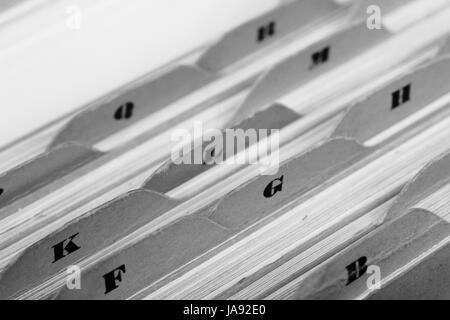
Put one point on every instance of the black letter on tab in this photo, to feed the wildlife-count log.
(274, 187)
(63, 249)
(265, 31)
(125, 111)
(356, 270)
(111, 279)
(401, 96)
(320, 57)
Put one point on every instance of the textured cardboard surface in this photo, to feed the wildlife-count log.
(151, 259)
(171, 175)
(427, 84)
(429, 280)
(92, 125)
(389, 247)
(43, 169)
(243, 40)
(299, 68)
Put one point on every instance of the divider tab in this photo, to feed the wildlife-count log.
(171, 175)
(258, 33)
(131, 104)
(43, 169)
(310, 63)
(147, 261)
(396, 101)
(426, 181)
(351, 274)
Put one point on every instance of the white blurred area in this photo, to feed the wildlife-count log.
(58, 55)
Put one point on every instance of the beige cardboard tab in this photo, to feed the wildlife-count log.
(429, 279)
(264, 30)
(132, 104)
(425, 182)
(83, 237)
(43, 169)
(171, 175)
(149, 260)
(396, 101)
(264, 194)
(309, 63)
(349, 274)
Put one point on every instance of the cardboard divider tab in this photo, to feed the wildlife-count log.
(396, 101)
(430, 177)
(310, 63)
(131, 104)
(264, 194)
(264, 30)
(351, 274)
(428, 279)
(150, 259)
(43, 169)
(171, 175)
